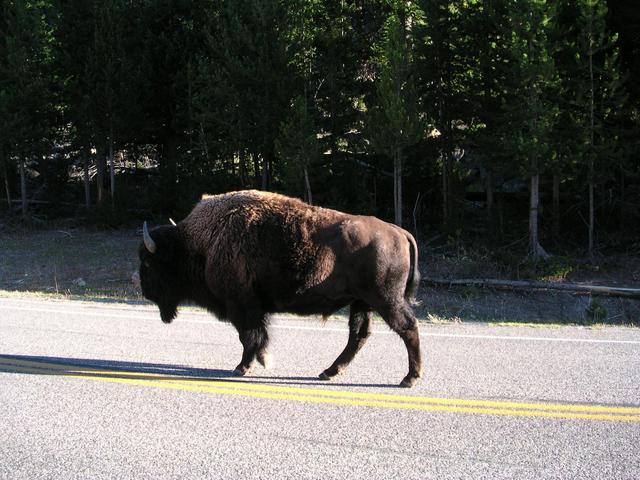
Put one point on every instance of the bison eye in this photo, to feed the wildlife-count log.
(146, 264)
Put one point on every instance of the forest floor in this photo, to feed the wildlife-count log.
(91, 264)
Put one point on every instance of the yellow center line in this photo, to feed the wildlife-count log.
(326, 396)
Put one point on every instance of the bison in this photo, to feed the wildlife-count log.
(247, 254)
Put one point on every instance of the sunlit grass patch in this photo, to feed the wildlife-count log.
(67, 263)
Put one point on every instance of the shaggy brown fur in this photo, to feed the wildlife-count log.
(246, 254)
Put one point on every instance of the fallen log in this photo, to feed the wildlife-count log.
(625, 292)
(47, 202)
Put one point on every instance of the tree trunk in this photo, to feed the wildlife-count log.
(556, 206)
(265, 173)
(87, 184)
(500, 204)
(100, 170)
(397, 186)
(112, 171)
(533, 214)
(307, 185)
(446, 156)
(7, 189)
(5, 176)
(23, 186)
(591, 141)
(623, 209)
(232, 164)
(447, 180)
(489, 189)
(267, 168)
(256, 169)
(416, 210)
(244, 180)
(445, 195)
(536, 249)
(591, 213)
(203, 139)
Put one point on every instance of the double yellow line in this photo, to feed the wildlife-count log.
(327, 396)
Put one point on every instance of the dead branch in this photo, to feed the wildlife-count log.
(601, 290)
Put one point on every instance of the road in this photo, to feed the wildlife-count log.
(97, 391)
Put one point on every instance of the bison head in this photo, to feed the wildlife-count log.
(158, 275)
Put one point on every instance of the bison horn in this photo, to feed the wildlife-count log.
(148, 241)
(172, 222)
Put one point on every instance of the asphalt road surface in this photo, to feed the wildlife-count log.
(96, 391)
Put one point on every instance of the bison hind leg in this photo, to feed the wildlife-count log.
(359, 331)
(404, 323)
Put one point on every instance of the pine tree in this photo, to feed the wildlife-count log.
(25, 84)
(484, 23)
(530, 103)
(393, 121)
(447, 65)
(298, 149)
(243, 85)
(74, 35)
(108, 55)
(603, 87)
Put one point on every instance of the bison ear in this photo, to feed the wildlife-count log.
(149, 244)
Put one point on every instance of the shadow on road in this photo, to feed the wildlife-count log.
(112, 369)
(92, 367)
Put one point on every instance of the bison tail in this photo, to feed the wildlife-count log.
(413, 281)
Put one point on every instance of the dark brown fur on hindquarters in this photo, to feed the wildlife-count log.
(244, 255)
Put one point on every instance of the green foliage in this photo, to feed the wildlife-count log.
(530, 107)
(243, 83)
(25, 81)
(325, 99)
(554, 269)
(595, 312)
(298, 150)
(393, 119)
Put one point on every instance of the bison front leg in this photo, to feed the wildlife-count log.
(359, 331)
(254, 342)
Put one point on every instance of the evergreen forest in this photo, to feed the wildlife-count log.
(507, 122)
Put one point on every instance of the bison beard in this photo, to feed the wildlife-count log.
(244, 255)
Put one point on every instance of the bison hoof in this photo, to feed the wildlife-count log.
(408, 382)
(327, 375)
(240, 371)
(265, 360)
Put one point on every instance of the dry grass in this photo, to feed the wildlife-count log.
(98, 265)
(69, 262)
(459, 262)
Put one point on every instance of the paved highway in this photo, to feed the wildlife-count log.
(97, 391)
